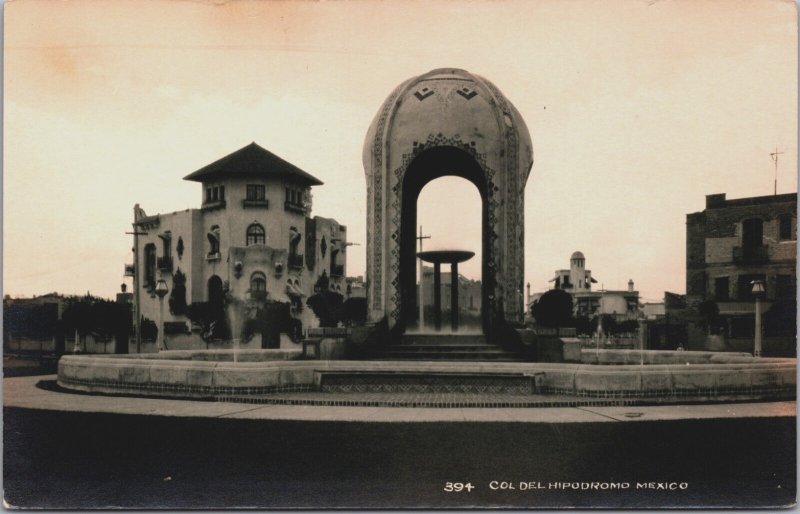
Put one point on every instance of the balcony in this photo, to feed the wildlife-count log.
(257, 296)
(751, 254)
(294, 207)
(164, 263)
(130, 270)
(295, 261)
(255, 204)
(337, 270)
(213, 204)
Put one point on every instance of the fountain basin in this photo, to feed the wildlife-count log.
(650, 357)
(178, 376)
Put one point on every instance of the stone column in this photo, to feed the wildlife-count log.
(437, 296)
(454, 296)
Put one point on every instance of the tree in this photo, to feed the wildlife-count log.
(211, 318)
(583, 325)
(553, 309)
(327, 307)
(610, 325)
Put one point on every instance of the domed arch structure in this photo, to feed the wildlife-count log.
(445, 122)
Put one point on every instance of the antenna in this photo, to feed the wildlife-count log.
(774, 156)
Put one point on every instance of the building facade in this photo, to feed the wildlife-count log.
(733, 243)
(586, 302)
(469, 291)
(253, 239)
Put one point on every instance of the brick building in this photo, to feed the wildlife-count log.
(729, 245)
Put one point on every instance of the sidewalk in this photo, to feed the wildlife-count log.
(22, 392)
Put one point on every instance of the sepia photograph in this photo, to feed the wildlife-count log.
(362, 254)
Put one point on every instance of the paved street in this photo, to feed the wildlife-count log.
(73, 451)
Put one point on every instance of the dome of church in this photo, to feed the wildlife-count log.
(449, 106)
(577, 255)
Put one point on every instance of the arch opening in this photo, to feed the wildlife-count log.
(449, 213)
(427, 166)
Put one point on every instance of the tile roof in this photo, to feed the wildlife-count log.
(252, 161)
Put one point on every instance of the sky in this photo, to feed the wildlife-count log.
(637, 110)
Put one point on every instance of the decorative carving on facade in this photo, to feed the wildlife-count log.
(505, 170)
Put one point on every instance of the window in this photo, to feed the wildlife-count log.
(721, 288)
(256, 192)
(752, 233)
(258, 282)
(785, 227)
(256, 235)
(208, 194)
(222, 193)
(213, 241)
(295, 259)
(150, 265)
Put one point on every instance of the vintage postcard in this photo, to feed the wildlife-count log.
(402, 254)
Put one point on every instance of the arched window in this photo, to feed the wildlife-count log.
(258, 282)
(258, 286)
(216, 291)
(256, 235)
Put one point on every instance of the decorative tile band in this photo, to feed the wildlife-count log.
(183, 389)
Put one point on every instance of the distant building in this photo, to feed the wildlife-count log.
(356, 287)
(252, 239)
(469, 291)
(653, 310)
(577, 281)
(729, 245)
(32, 324)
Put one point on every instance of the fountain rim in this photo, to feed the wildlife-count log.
(445, 256)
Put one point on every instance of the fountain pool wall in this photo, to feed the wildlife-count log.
(198, 374)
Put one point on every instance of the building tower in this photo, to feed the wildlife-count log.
(577, 272)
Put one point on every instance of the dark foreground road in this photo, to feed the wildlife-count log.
(75, 460)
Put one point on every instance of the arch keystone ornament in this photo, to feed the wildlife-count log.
(445, 122)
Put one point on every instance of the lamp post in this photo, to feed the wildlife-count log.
(758, 290)
(161, 291)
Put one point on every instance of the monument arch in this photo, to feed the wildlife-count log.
(445, 122)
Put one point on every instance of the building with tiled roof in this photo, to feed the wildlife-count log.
(253, 239)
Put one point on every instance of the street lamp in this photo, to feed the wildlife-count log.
(161, 291)
(758, 290)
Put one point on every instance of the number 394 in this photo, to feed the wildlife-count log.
(457, 487)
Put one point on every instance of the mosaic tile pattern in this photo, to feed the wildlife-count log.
(155, 388)
(426, 383)
(426, 400)
(505, 191)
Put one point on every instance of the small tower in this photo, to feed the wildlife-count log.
(630, 285)
(577, 273)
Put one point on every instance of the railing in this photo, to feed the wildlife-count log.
(294, 207)
(130, 270)
(165, 263)
(337, 270)
(751, 254)
(295, 260)
(329, 332)
(263, 203)
(213, 204)
(258, 295)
